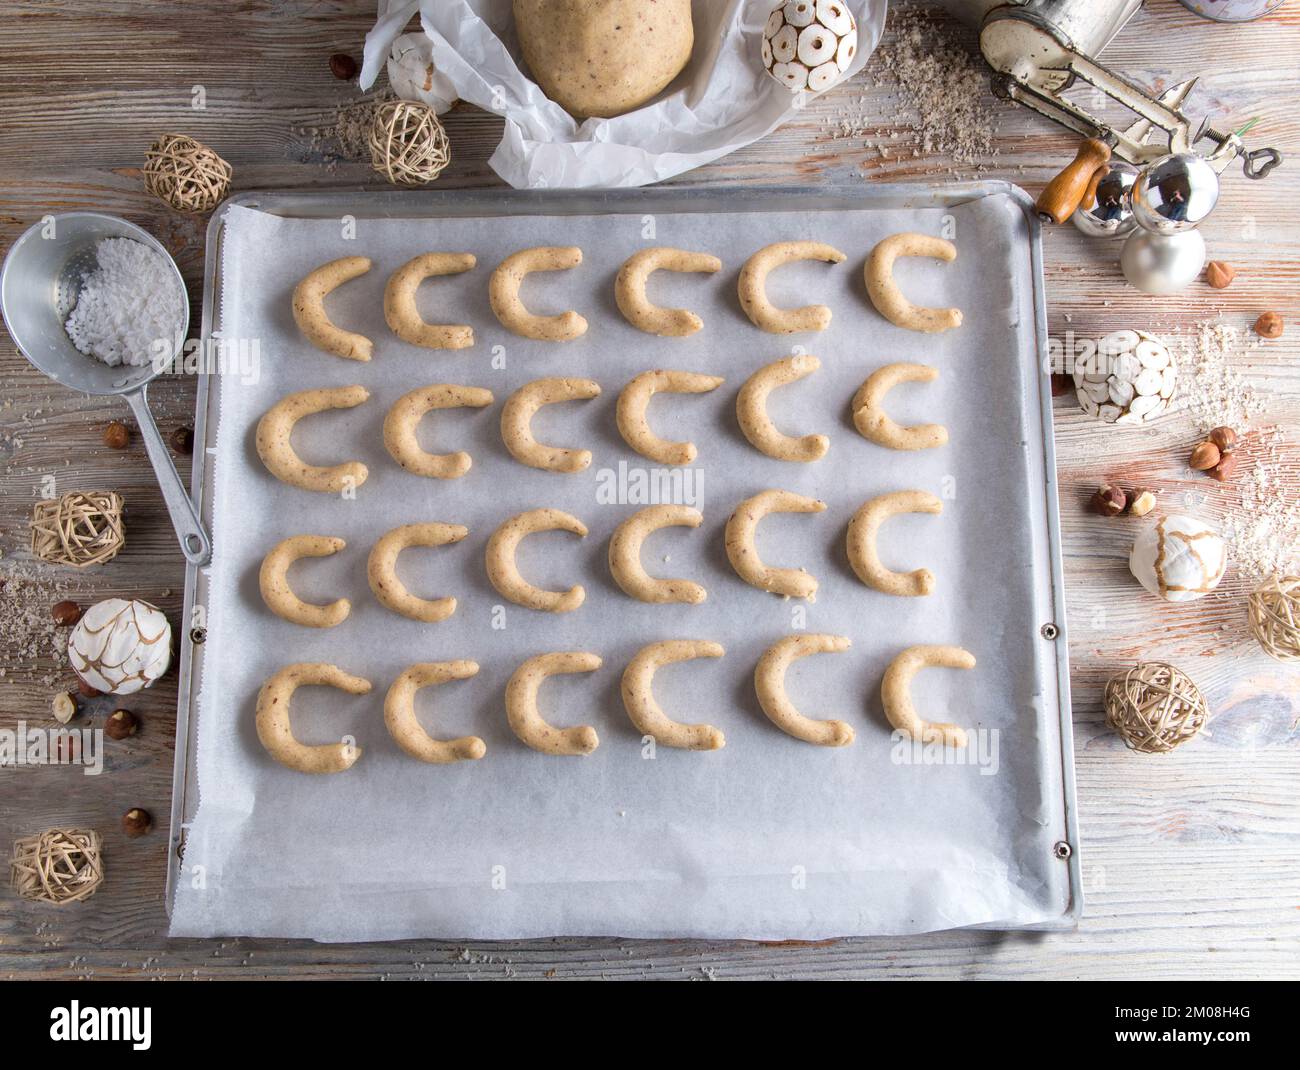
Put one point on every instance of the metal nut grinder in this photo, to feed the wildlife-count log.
(1152, 191)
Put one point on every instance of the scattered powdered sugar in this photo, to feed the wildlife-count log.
(126, 305)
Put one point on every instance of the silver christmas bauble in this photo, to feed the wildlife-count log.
(1162, 263)
(1175, 193)
(1110, 215)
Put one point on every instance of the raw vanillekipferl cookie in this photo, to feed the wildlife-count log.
(399, 302)
(631, 413)
(861, 542)
(279, 596)
(309, 308)
(885, 293)
(896, 692)
(743, 553)
(644, 711)
(504, 573)
(517, 423)
(625, 555)
(405, 416)
(381, 570)
(503, 293)
(275, 731)
(629, 290)
(874, 424)
(275, 430)
(753, 287)
(521, 704)
(403, 726)
(769, 684)
(757, 426)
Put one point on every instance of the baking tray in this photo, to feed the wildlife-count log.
(433, 205)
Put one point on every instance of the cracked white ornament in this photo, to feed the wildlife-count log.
(809, 44)
(1178, 558)
(121, 646)
(1129, 379)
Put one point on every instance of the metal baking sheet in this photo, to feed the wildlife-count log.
(1030, 649)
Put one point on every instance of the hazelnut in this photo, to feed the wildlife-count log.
(65, 613)
(1219, 274)
(1225, 438)
(1142, 502)
(1224, 469)
(85, 690)
(64, 707)
(1205, 456)
(120, 724)
(182, 440)
(1062, 384)
(1108, 500)
(117, 436)
(1269, 325)
(343, 66)
(136, 822)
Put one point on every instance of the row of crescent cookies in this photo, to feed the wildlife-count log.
(629, 290)
(275, 732)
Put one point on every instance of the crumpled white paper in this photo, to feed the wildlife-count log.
(721, 102)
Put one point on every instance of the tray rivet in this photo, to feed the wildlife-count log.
(198, 636)
(1062, 850)
(1050, 630)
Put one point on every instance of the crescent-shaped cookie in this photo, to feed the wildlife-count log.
(404, 318)
(885, 293)
(309, 308)
(276, 733)
(752, 287)
(874, 424)
(629, 290)
(404, 417)
(279, 597)
(861, 542)
(639, 700)
(275, 430)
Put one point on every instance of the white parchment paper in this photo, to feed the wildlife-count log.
(723, 100)
(767, 838)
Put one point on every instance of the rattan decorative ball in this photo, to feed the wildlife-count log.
(1155, 707)
(80, 529)
(408, 144)
(1275, 617)
(186, 174)
(57, 866)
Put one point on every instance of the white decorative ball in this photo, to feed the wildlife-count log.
(120, 646)
(1178, 558)
(809, 44)
(1129, 379)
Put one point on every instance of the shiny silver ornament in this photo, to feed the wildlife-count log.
(1162, 263)
(1175, 193)
(1111, 215)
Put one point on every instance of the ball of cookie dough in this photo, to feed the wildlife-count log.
(604, 57)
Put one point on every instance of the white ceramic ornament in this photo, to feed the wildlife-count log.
(1130, 379)
(121, 646)
(1178, 558)
(809, 44)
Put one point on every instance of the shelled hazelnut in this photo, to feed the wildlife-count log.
(1108, 500)
(65, 613)
(1225, 438)
(1204, 456)
(64, 707)
(136, 822)
(182, 440)
(1219, 274)
(86, 691)
(120, 724)
(1142, 502)
(1269, 325)
(117, 436)
(1225, 468)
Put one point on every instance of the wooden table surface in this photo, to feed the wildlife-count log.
(1191, 860)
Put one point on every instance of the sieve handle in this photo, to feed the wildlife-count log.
(195, 544)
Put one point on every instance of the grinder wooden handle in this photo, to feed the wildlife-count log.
(1066, 191)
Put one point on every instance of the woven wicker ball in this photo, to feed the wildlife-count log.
(408, 145)
(57, 866)
(80, 529)
(1275, 617)
(1155, 707)
(186, 174)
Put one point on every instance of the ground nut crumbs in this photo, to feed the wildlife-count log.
(1218, 394)
(1263, 536)
(32, 642)
(941, 85)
